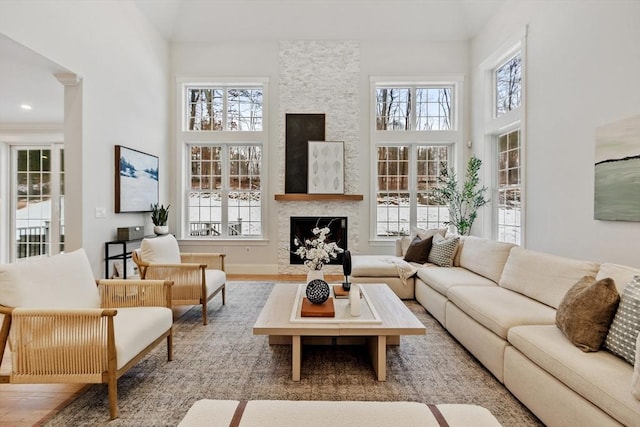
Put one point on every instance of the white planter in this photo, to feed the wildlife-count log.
(161, 229)
(315, 274)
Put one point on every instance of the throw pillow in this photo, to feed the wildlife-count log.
(624, 330)
(419, 250)
(586, 311)
(635, 378)
(443, 250)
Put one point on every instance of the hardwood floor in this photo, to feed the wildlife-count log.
(25, 405)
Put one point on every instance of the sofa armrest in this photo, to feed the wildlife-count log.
(116, 293)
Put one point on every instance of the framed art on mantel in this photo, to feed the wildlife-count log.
(326, 167)
(136, 176)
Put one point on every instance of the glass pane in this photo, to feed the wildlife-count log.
(433, 108)
(393, 109)
(508, 85)
(244, 109)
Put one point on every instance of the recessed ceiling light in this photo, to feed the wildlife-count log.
(26, 107)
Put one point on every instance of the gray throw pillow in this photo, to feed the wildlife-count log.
(418, 250)
(586, 311)
(624, 330)
(443, 250)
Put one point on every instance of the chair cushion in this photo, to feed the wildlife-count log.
(60, 281)
(543, 277)
(137, 327)
(160, 250)
(485, 257)
(215, 279)
(499, 309)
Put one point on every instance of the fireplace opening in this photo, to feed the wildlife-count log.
(302, 228)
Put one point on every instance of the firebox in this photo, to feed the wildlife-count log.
(302, 228)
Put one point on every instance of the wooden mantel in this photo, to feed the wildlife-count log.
(303, 197)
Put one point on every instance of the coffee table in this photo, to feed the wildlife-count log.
(386, 318)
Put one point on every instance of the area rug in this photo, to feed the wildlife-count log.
(224, 360)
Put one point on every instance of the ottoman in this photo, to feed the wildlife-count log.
(295, 413)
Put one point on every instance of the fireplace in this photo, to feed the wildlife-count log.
(302, 226)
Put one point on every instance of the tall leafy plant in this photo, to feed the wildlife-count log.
(463, 202)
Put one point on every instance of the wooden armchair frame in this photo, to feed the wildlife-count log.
(82, 349)
(188, 277)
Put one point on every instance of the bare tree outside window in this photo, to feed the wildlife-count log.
(508, 85)
(393, 109)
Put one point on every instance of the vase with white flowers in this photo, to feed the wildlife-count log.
(316, 252)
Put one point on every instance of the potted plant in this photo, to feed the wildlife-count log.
(159, 217)
(463, 202)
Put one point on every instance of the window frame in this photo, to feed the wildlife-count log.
(186, 138)
(494, 126)
(452, 138)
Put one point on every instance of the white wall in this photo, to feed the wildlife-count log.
(583, 67)
(124, 67)
(261, 58)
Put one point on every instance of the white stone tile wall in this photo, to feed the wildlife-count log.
(320, 77)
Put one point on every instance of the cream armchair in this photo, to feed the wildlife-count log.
(61, 328)
(196, 277)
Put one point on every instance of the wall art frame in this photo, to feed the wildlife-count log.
(136, 180)
(326, 167)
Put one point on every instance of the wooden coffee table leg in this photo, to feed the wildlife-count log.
(296, 357)
(378, 351)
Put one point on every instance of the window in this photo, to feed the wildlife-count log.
(509, 189)
(38, 200)
(404, 191)
(504, 131)
(395, 106)
(508, 85)
(223, 139)
(414, 136)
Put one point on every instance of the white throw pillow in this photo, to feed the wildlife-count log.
(60, 281)
(635, 378)
(160, 250)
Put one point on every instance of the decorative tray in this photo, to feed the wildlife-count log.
(368, 313)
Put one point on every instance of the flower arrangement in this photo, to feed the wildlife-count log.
(316, 252)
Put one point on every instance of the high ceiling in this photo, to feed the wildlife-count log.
(187, 21)
(27, 77)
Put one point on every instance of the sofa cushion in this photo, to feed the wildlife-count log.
(485, 257)
(443, 250)
(378, 266)
(441, 279)
(543, 277)
(599, 377)
(624, 330)
(137, 327)
(499, 309)
(160, 250)
(621, 274)
(419, 250)
(60, 281)
(586, 311)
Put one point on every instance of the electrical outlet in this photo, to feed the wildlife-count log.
(101, 212)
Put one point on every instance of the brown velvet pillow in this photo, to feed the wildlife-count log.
(418, 250)
(586, 312)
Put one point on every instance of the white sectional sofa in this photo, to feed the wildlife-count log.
(500, 302)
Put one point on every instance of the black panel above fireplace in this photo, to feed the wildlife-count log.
(299, 130)
(302, 228)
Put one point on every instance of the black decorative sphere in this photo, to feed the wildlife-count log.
(317, 291)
